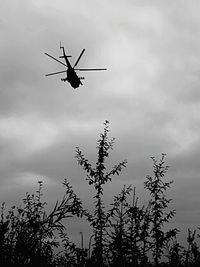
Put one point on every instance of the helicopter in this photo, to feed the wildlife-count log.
(71, 75)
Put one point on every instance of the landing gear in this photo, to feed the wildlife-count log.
(63, 79)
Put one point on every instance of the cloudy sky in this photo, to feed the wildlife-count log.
(150, 94)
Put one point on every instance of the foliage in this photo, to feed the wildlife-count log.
(129, 226)
(99, 176)
(117, 244)
(28, 234)
(125, 234)
(159, 204)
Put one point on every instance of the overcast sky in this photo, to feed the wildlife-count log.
(150, 94)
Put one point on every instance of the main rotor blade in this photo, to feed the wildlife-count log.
(53, 73)
(56, 60)
(90, 69)
(77, 61)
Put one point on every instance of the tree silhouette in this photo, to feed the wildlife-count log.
(159, 204)
(98, 176)
(28, 234)
(125, 234)
(118, 220)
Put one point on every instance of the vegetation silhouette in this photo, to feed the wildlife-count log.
(125, 233)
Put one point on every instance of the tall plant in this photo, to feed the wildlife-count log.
(129, 223)
(118, 221)
(159, 207)
(138, 232)
(98, 176)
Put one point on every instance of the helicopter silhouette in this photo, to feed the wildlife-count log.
(71, 75)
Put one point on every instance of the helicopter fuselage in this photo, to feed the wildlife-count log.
(72, 78)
